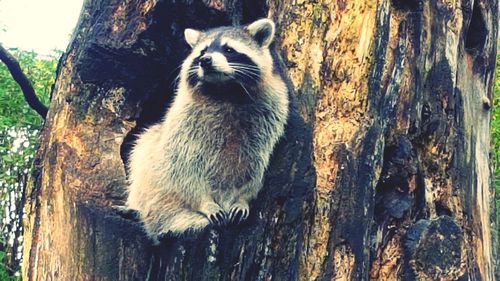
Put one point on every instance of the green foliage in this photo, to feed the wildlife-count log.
(4, 271)
(19, 124)
(495, 136)
(19, 127)
(14, 111)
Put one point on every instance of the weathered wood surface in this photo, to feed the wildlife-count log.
(383, 173)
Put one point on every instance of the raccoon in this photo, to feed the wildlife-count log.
(205, 161)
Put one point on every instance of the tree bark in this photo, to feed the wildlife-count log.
(383, 172)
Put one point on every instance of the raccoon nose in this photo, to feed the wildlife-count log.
(206, 61)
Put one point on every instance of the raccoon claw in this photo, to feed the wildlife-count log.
(214, 213)
(238, 214)
(219, 218)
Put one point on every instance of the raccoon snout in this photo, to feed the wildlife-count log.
(206, 61)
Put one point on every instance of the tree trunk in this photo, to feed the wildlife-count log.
(383, 173)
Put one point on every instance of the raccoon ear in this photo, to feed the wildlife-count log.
(192, 36)
(262, 31)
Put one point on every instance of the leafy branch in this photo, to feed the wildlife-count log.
(23, 81)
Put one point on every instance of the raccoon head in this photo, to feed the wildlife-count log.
(229, 55)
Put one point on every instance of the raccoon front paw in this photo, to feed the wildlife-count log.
(218, 218)
(239, 212)
(215, 214)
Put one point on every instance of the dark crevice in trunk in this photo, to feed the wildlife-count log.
(477, 31)
(408, 5)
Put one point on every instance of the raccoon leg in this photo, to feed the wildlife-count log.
(169, 214)
(185, 221)
(174, 223)
(215, 214)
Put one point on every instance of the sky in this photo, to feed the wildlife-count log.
(38, 25)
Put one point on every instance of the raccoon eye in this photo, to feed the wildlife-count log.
(203, 52)
(228, 49)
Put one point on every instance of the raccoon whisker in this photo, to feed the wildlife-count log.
(249, 68)
(251, 75)
(242, 64)
(246, 69)
(251, 71)
(191, 71)
(246, 91)
(174, 82)
(175, 69)
(178, 77)
(246, 74)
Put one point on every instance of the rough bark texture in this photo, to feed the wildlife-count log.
(383, 173)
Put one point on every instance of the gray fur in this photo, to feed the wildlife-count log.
(207, 158)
